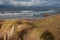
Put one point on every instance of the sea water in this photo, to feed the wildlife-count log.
(24, 14)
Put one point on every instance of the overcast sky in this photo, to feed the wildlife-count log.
(30, 2)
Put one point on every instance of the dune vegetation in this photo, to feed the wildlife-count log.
(38, 29)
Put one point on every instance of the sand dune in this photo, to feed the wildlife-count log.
(37, 29)
(51, 23)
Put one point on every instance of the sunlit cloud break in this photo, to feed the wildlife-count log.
(24, 3)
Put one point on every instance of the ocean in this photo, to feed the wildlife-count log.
(27, 14)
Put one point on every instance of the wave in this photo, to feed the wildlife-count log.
(25, 14)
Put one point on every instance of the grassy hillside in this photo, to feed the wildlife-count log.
(51, 23)
(47, 28)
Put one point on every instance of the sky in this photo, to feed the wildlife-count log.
(30, 2)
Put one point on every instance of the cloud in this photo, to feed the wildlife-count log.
(23, 3)
(30, 2)
(1, 2)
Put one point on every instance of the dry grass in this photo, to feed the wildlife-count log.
(51, 24)
(27, 30)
